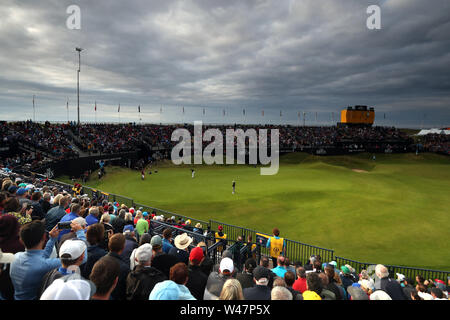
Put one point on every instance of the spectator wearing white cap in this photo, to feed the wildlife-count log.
(72, 253)
(216, 280)
(141, 281)
(68, 289)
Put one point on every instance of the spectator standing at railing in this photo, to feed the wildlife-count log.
(222, 238)
(276, 244)
(389, 285)
(280, 269)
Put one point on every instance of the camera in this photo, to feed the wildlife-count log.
(64, 225)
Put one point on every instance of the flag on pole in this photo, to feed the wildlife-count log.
(243, 110)
(224, 112)
(203, 111)
(139, 108)
(95, 107)
(118, 109)
(160, 109)
(183, 110)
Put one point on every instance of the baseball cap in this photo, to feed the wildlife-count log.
(400, 277)
(156, 241)
(345, 270)
(196, 254)
(145, 214)
(128, 228)
(220, 228)
(21, 191)
(226, 264)
(73, 248)
(144, 253)
(68, 290)
(333, 263)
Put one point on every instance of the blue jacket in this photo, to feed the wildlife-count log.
(30, 266)
(91, 219)
(166, 245)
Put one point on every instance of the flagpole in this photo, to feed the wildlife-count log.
(67, 107)
(34, 112)
(95, 111)
(119, 112)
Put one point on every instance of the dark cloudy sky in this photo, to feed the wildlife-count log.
(289, 55)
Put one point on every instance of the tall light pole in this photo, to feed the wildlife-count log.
(78, 82)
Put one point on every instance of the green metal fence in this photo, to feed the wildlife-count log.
(294, 250)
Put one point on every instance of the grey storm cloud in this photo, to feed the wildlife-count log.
(290, 55)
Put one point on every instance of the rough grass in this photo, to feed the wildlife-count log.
(396, 213)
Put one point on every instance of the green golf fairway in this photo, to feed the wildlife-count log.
(396, 211)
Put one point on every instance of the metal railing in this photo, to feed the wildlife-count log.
(294, 250)
(408, 272)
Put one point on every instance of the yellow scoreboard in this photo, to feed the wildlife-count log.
(358, 115)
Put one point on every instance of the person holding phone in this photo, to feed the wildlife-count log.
(29, 267)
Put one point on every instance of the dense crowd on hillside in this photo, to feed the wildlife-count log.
(58, 244)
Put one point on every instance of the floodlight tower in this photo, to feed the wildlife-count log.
(78, 82)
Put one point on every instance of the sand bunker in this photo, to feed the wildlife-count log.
(359, 170)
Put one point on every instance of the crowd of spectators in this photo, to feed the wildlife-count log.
(52, 139)
(435, 143)
(61, 245)
(59, 139)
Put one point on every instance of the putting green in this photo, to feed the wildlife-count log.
(394, 210)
